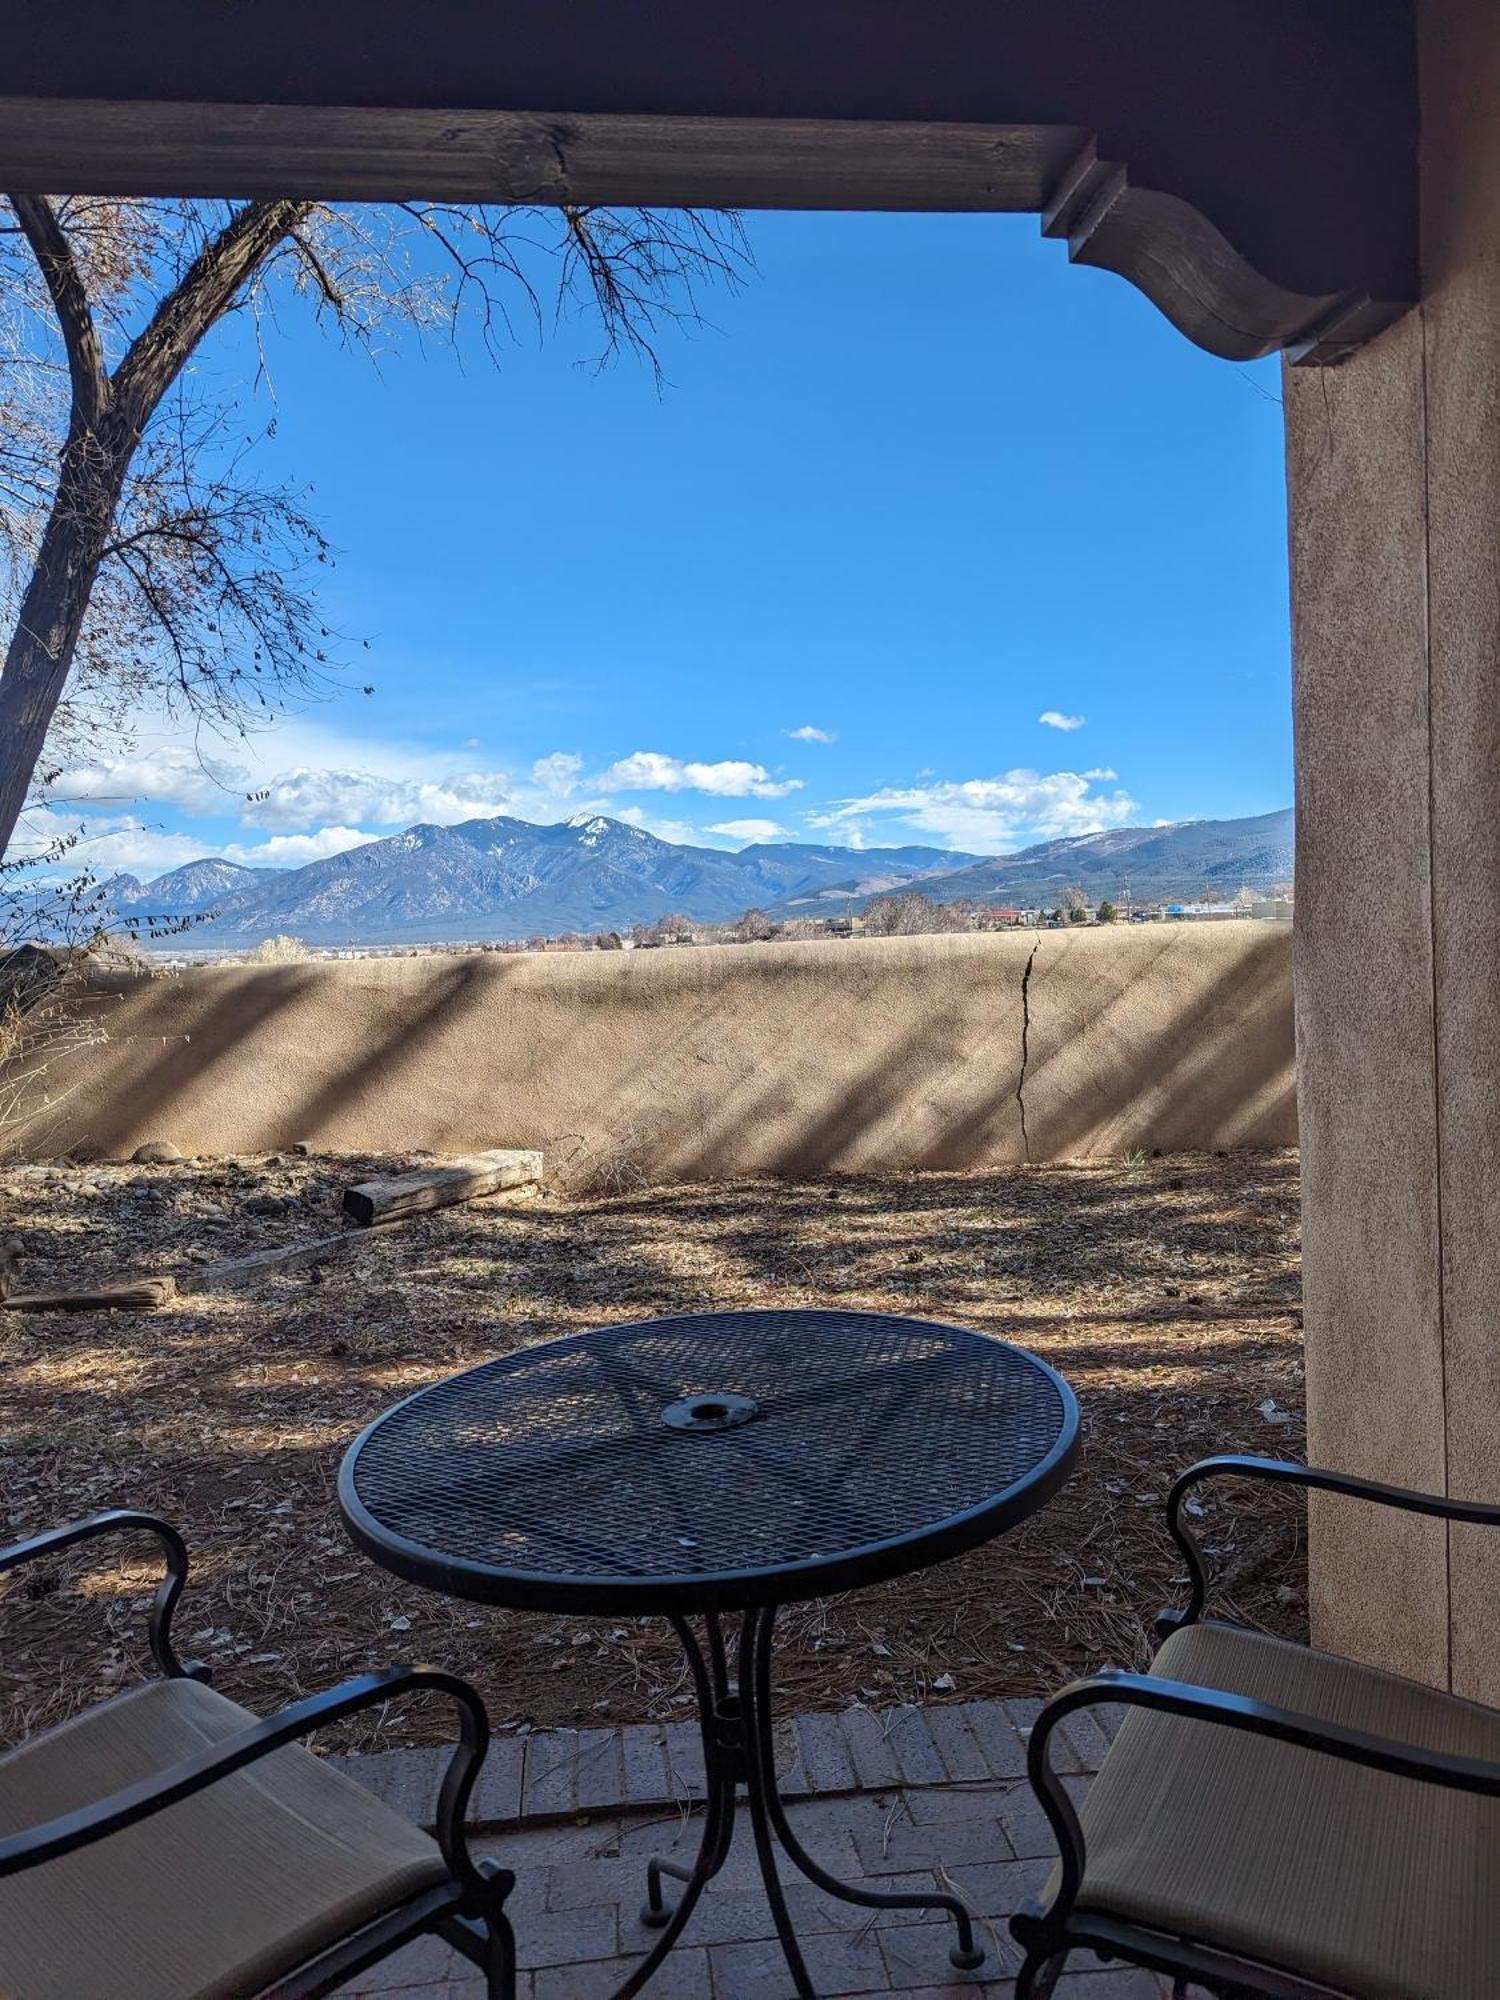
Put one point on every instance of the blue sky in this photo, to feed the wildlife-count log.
(919, 487)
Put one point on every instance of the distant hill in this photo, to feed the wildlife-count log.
(1207, 858)
(504, 878)
(196, 886)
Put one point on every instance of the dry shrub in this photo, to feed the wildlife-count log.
(616, 1166)
(43, 1023)
(280, 950)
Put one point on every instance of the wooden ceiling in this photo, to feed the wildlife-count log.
(1250, 164)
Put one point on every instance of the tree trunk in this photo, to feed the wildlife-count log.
(46, 635)
(108, 419)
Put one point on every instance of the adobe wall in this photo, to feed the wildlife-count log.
(1394, 477)
(871, 1054)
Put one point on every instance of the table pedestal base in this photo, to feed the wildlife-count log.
(737, 1750)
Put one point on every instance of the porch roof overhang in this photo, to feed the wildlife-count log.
(1250, 164)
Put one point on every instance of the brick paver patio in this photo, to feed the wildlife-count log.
(905, 1798)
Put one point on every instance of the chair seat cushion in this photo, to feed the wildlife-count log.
(218, 1895)
(1374, 1884)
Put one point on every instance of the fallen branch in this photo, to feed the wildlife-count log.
(438, 1187)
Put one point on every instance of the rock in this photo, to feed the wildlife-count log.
(155, 1153)
(303, 1147)
(263, 1204)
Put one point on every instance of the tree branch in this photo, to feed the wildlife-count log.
(331, 294)
(204, 292)
(65, 288)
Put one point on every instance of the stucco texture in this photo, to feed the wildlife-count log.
(865, 1055)
(1394, 478)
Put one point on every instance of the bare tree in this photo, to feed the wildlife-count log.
(911, 914)
(754, 927)
(668, 929)
(139, 556)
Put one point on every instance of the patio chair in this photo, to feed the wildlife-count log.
(1273, 1820)
(166, 1843)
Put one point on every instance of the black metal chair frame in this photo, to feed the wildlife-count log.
(467, 1910)
(1047, 1933)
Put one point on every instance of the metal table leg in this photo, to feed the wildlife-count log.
(738, 1750)
(718, 1719)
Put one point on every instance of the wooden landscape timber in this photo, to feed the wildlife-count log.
(129, 1294)
(375, 1207)
(244, 1274)
(441, 1185)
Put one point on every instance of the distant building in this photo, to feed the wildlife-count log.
(1203, 913)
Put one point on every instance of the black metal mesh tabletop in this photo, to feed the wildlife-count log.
(710, 1461)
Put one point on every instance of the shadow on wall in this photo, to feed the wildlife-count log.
(866, 1055)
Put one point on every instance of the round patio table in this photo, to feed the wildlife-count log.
(716, 1463)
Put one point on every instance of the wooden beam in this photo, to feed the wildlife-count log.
(1252, 167)
(356, 153)
(123, 1294)
(1157, 241)
(440, 1185)
(258, 1267)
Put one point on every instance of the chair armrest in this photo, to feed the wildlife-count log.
(1287, 1472)
(133, 1803)
(125, 1520)
(1232, 1711)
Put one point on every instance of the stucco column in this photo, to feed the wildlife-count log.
(1393, 468)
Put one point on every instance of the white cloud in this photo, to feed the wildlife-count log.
(294, 850)
(750, 829)
(808, 733)
(122, 843)
(991, 815)
(269, 784)
(173, 775)
(679, 831)
(1055, 719)
(558, 773)
(652, 771)
(106, 843)
(305, 797)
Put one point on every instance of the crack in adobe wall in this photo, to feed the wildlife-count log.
(1025, 1047)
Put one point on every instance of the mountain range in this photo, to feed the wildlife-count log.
(505, 878)
(1207, 858)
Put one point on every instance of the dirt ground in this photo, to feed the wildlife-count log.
(1166, 1290)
